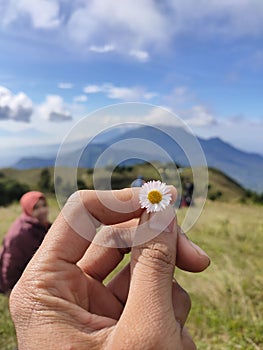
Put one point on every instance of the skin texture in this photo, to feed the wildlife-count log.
(65, 305)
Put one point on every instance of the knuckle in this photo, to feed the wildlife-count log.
(75, 196)
(157, 253)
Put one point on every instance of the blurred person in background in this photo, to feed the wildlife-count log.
(138, 182)
(23, 239)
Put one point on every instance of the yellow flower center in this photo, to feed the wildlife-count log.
(155, 196)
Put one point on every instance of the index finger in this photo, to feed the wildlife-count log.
(75, 227)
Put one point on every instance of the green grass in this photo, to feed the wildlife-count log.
(227, 299)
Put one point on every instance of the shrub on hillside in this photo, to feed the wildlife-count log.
(11, 190)
(214, 196)
(252, 196)
(44, 182)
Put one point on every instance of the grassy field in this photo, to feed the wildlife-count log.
(227, 299)
(227, 309)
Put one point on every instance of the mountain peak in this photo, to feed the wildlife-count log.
(245, 168)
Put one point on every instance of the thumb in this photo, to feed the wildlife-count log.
(153, 261)
(152, 268)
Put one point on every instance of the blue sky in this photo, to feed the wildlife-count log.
(61, 60)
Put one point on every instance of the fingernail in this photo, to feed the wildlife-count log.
(195, 246)
(199, 250)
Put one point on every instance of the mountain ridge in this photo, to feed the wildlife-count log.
(244, 167)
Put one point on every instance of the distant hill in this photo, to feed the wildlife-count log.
(245, 168)
(224, 188)
(221, 187)
(34, 162)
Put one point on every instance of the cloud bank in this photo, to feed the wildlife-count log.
(16, 107)
(131, 27)
(20, 108)
(54, 109)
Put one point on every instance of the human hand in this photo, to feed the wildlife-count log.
(60, 301)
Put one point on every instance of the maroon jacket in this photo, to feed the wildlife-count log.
(21, 242)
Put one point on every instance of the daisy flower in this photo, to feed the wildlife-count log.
(154, 196)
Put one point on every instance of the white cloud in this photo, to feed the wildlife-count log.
(80, 98)
(186, 104)
(121, 92)
(43, 14)
(199, 116)
(65, 85)
(146, 25)
(59, 116)
(128, 93)
(124, 24)
(240, 131)
(149, 95)
(180, 95)
(140, 55)
(54, 109)
(102, 49)
(15, 107)
(163, 116)
(92, 89)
